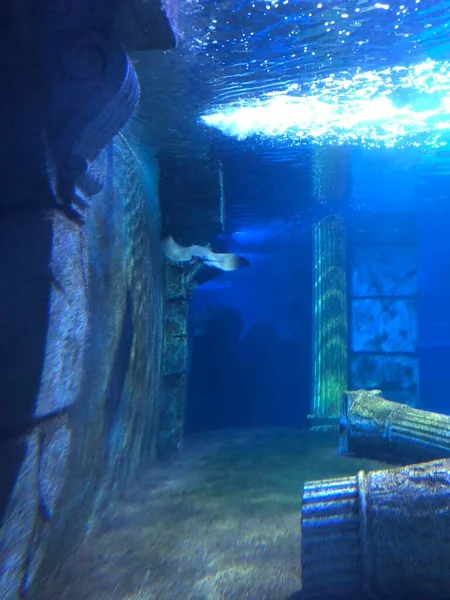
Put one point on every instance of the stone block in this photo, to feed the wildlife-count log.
(175, 355)
(174, 282)
(384, 271)
(175, 318)
(171, 417)
(388, 325)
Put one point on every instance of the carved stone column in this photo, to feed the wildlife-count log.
(330, 342)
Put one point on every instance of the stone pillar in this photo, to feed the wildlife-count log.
(191, 198)
(179, 284)
(330, 337)
(175, 353)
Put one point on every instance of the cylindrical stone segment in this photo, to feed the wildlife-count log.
(375, 427)
(378, 535)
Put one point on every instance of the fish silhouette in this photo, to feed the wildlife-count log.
(224, 262)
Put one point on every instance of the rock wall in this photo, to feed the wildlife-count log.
(175, 361)
(82, 341)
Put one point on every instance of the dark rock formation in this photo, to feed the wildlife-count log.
(81, 286)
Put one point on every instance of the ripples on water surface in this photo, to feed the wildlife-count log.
(311, 69)
(259, 46)
(330, 72)
(348, 71)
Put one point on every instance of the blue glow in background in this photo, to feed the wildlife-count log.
(395, 106)
(277, 78)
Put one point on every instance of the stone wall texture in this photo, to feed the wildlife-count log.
(81, 350)
(178, 287)
(384, 320)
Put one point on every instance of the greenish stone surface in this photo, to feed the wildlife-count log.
(330, 185)
(330, 318)
(175, 360)
(174, 281)
(175, 318)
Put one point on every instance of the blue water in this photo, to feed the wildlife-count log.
(258, 54)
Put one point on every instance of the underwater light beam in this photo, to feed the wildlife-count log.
(393, 106)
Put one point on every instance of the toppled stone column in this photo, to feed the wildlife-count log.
(375, 427)
(378, 535)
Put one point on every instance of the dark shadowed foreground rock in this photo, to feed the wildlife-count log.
(94, 342)
(81, 285)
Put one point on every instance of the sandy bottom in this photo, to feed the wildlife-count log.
(220, 523)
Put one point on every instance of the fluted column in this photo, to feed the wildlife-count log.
(330, 339)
